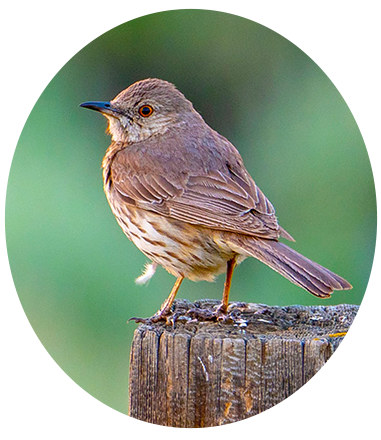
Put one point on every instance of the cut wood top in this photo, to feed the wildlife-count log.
(248, 320)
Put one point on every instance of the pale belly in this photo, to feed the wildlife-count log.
(182, 249)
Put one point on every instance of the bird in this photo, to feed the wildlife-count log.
(181, 193)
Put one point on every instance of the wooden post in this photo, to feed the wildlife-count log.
(198, 373)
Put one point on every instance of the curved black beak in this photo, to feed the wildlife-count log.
(100, 106)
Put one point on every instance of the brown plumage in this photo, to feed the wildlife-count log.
(181, 193)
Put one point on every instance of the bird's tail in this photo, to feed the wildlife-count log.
(301, 271)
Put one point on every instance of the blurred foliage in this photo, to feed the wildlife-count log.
(73, 268)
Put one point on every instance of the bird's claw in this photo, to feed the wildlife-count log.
(209, 315)
(168, 317)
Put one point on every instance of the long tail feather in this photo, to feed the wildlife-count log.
(298, 269)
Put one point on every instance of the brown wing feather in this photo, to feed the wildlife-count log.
(219, 200)
(205, 182)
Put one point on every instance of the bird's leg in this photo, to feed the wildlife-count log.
(223, 307)
(167, 304)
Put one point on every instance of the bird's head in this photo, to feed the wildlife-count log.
(146, 108)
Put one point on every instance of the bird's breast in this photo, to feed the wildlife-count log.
(181, 248)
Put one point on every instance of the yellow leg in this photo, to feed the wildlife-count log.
(167, 304)
(223, 307)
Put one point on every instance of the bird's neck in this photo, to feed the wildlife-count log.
(111, 151)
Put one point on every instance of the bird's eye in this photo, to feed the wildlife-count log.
(145, 111)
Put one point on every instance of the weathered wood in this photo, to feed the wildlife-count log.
(198, 373)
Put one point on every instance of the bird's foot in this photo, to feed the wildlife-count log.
(161, 315)
(198, 313)
(220, 314)
(139, 320)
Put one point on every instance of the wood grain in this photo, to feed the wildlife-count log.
(199, 373)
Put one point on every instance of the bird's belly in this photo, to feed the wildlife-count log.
(181, 248)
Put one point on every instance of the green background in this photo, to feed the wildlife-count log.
(74, 269)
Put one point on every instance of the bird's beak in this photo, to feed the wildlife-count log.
(103, 107)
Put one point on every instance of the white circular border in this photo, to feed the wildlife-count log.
(362, 302)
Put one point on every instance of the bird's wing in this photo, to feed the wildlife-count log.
(226, 200)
